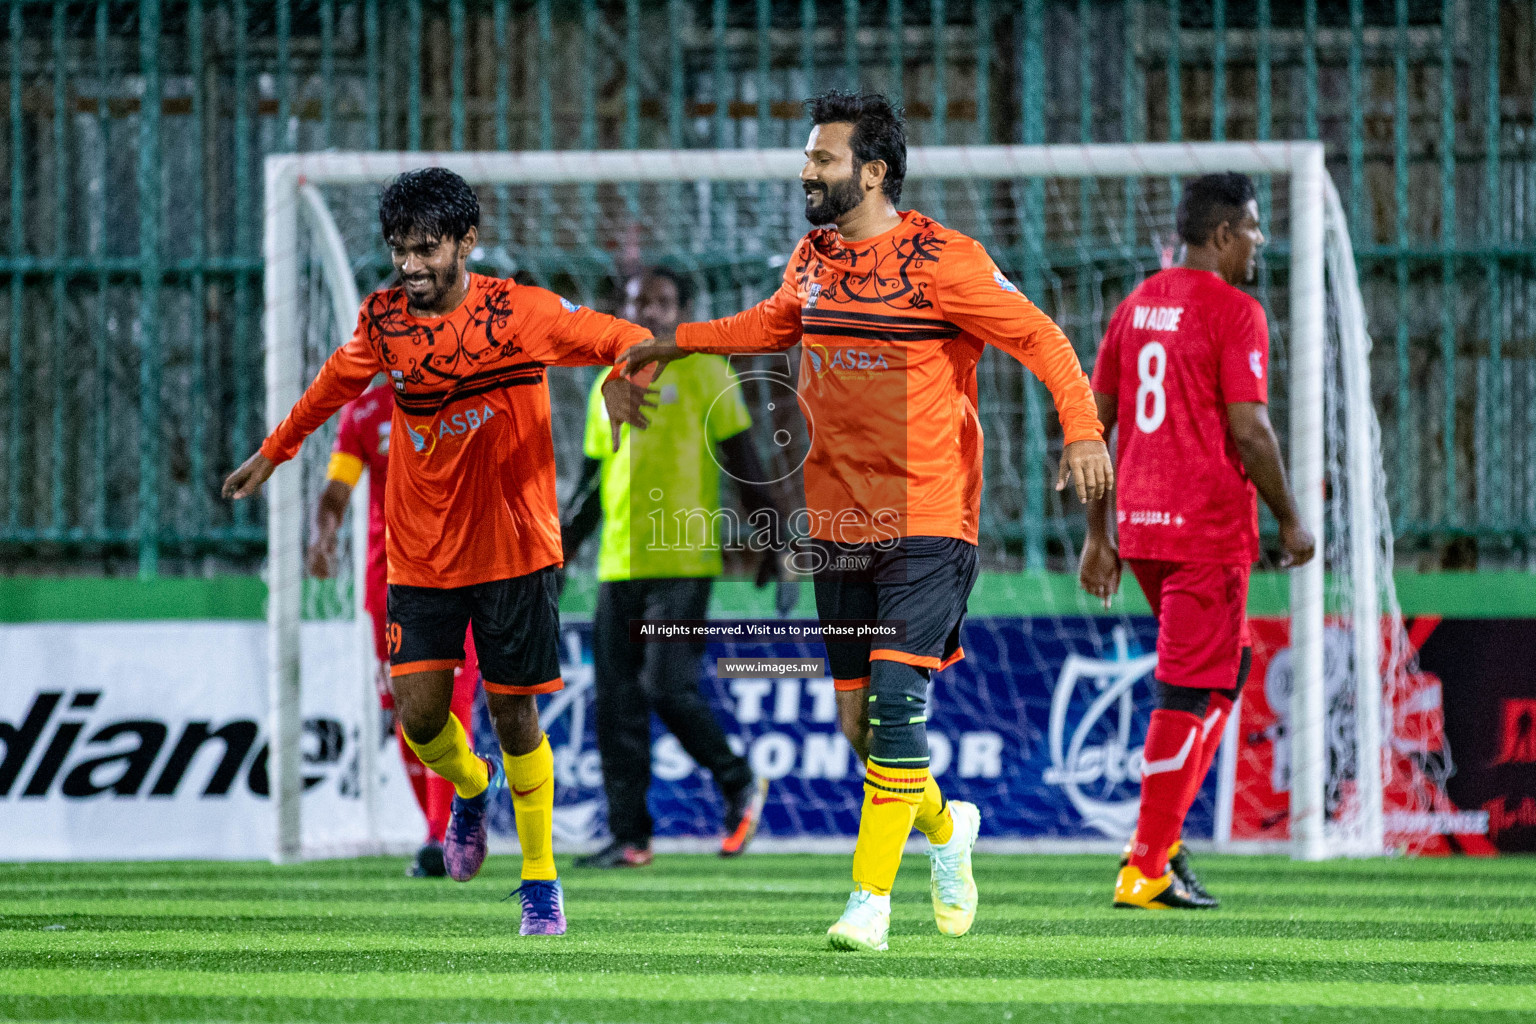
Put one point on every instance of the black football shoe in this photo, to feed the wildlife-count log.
(1178, 863)
(743, 813)
(428, 863)
(617, 855)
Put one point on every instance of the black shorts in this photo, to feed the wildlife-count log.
(920, 584)
(515, 622)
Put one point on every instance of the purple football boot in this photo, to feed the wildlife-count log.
(464, 845)
(543, 907)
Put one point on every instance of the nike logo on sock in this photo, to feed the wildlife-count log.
(525, 792)
(886, 800)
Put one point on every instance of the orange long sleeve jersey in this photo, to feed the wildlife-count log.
(892, 328)
(471, 497)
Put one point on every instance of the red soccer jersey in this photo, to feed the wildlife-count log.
(471, 497)
(1180, 349)
(362, 442)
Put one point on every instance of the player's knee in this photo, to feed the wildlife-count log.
(422, 724)
(898, 714)
(418, 708)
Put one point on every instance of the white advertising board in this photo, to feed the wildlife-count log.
(147, 740)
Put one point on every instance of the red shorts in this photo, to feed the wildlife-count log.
(465, 678)
(1202, 620)
(376, 603)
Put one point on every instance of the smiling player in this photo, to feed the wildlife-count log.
(472, 527)
(894, 310)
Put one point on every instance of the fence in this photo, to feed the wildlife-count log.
(130, 272)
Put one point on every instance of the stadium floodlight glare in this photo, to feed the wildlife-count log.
(742, 210)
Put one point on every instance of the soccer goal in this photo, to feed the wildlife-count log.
(1076, 227)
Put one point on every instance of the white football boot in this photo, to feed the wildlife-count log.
(865, 923)
(950, 878)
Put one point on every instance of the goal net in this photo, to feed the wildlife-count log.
(1075, 228)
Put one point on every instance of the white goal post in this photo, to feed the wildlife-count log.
(292, 206)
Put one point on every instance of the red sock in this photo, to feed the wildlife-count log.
(1211, 728)
(420, 779)
(439, 807)
(1171, 756)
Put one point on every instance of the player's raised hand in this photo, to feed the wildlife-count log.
(1298, 544)
(247, 480)
(1098, 571)
(1087, 465)
(626, 401)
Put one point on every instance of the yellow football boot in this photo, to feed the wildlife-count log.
(1178, 862)
(1134, 890)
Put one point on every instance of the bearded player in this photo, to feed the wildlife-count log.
(362, 442)
(893, 311)
(472, 527)
(1187, 354)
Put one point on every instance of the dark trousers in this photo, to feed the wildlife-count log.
(634, 679)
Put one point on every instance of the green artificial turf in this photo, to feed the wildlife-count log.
(700, 939)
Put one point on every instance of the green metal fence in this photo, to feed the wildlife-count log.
(130, 272)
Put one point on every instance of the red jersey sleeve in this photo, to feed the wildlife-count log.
(557, 332)
(772, 325)
(349, 440)
(1243, 336)
(1106, 365)
(345, 375)
(975, 296)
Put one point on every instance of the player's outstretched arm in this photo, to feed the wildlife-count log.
(772, 325)
(1259, 449)
(976, 296)
(1098, 570)
(645, 361)
(247, 480)
(345, 375)
(557, 332)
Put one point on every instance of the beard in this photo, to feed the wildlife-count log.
(428, 291)
(825, 203)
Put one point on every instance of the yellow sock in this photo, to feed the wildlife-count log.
(891, 796)
(449, 755)
(531, 777)
(933, 819)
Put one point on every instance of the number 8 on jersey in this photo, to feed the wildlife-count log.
(1151, 399)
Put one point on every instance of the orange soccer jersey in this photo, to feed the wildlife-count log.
(892, 328)
(471, 483)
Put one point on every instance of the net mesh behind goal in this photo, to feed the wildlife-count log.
(1074, 244)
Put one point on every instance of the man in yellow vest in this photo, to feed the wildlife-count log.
(658, 499)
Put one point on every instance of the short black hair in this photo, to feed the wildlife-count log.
(879, 131)
(1210, 201)
(683, 284)
(432, 202)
